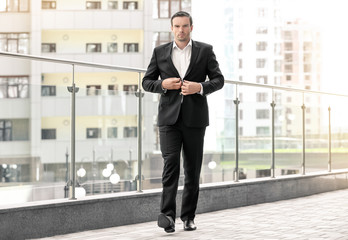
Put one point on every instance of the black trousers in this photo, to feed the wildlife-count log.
(172, 139)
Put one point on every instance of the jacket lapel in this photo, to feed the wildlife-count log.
(168, 53)
(194, 55)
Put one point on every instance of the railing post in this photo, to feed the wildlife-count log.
(273, 154)
(329, 164)
(303, 139)
(73, 89)
(236, 171)
(139, 177)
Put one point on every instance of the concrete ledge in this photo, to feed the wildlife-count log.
(49, 218)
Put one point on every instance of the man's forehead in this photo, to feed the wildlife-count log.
(181, 20)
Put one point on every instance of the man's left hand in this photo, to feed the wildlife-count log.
(189, 87)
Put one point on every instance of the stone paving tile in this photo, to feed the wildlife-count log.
(317, 217)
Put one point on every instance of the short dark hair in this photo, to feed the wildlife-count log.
(181, 14)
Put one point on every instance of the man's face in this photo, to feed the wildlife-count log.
(181, 29)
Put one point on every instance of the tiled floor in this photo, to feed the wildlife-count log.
(322, 216)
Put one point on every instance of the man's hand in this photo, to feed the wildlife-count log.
(188, 87)
(171, 83)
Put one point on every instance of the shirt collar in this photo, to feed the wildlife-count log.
(175, 46)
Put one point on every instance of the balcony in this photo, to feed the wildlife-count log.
(243, 165)
(92, 19)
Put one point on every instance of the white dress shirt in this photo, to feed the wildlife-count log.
(181, 59)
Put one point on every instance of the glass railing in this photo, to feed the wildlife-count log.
(102, 137)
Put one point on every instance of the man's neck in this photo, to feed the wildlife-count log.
(182, 45)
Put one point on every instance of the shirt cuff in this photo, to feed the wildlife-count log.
(201, 92)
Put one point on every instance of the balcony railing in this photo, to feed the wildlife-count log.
(256, 131)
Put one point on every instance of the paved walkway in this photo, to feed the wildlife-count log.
(322, 216)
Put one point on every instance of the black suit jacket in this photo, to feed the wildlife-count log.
(194, 107)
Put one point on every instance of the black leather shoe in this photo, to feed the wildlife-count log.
(166, 222)
(189, 225)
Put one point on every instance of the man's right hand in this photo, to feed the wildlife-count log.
(171, 83)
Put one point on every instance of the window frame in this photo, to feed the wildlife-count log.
(51, 46)
(52, 5)
(98, 4)
(18, 7)
(98, 47)
(7, 86)
(51, 133)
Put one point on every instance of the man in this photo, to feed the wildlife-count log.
(183, 66)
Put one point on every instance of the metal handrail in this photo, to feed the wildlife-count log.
(123, 68)
(140, 95)
(283, 88)
(65, 61)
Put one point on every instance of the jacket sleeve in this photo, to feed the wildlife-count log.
(151, 81)
(216, 79)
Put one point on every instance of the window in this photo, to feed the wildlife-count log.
(240, 131)
(261, 97)
(112, 132)
(307, 57)
(14, 42)
(162, 37)
(48, 133)
(240, 65)
(307, 68)
(14, 87)
(240, 47)
(262, 79)
(131, 47)
(113, 89)
(93, 47)
(287, 35)
(166, 8)
(261, 46)
(262, 114)
(48, 90)
(260, 63)
(93, 5)
(261, 30)
(288, 68)
(262, 131)
(307, 77)
(14, 6)
(130, 89)
(288, 46)
(288, 78)
(277, 49)
(277, 65)
(112, 47)
(48, 47)
(261, 12)
(112, 5)
(129, 132)
(240, 114)
(93, 90)
(93, 133)
(307, 46)
(130, 5)
(5, 130)
(288, 99)
(288, 57)
(49, 4)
